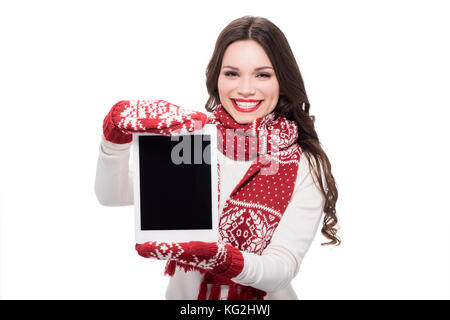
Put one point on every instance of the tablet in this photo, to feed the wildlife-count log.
(175, 186)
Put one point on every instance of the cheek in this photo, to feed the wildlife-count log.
(224, 85)
(271, 89)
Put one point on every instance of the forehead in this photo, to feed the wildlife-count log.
(245, 54)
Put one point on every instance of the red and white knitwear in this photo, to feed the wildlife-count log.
(254, 208)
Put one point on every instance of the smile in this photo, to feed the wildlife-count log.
(246, 105)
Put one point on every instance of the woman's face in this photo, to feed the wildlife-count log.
(247, 85)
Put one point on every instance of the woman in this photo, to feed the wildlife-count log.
(275, 181)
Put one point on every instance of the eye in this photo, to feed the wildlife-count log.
(230, 74)
(264, 75)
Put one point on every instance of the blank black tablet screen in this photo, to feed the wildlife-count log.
(175, 182)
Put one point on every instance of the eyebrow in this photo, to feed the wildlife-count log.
(256, 69)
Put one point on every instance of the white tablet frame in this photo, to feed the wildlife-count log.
(209, 235)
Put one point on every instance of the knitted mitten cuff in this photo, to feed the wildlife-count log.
(110, 130)
(213, 257)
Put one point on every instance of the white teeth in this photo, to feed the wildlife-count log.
(247, 104)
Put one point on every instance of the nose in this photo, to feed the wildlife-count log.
(246, 87)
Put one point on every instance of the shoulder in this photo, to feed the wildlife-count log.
(309, 171)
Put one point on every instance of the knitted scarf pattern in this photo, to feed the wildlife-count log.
(254, 208)
(252, 211)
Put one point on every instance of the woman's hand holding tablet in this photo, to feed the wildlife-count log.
(153, 116)
(213, 257)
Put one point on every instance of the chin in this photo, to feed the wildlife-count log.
(245, 119)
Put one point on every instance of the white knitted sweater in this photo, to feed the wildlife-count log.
(280, 260)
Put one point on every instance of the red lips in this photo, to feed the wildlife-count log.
(246, 109)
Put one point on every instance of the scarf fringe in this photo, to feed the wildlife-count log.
(171, 267)
(215, 292)
(202, 291)
(235, 292)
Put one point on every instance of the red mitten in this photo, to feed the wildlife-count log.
(214, 257)
(154, 116)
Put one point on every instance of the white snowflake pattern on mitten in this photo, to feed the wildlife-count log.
(157, 116)
(214, 257)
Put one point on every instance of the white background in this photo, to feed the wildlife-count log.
(377, 74)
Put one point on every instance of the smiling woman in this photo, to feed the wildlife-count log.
(271, 196)
(251, 89)
(255, 42)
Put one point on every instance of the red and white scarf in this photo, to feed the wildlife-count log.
(255, 206)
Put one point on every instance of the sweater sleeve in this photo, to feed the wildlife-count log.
(280, 261)
(114, 179)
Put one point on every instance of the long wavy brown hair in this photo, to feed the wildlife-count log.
(293, 103)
